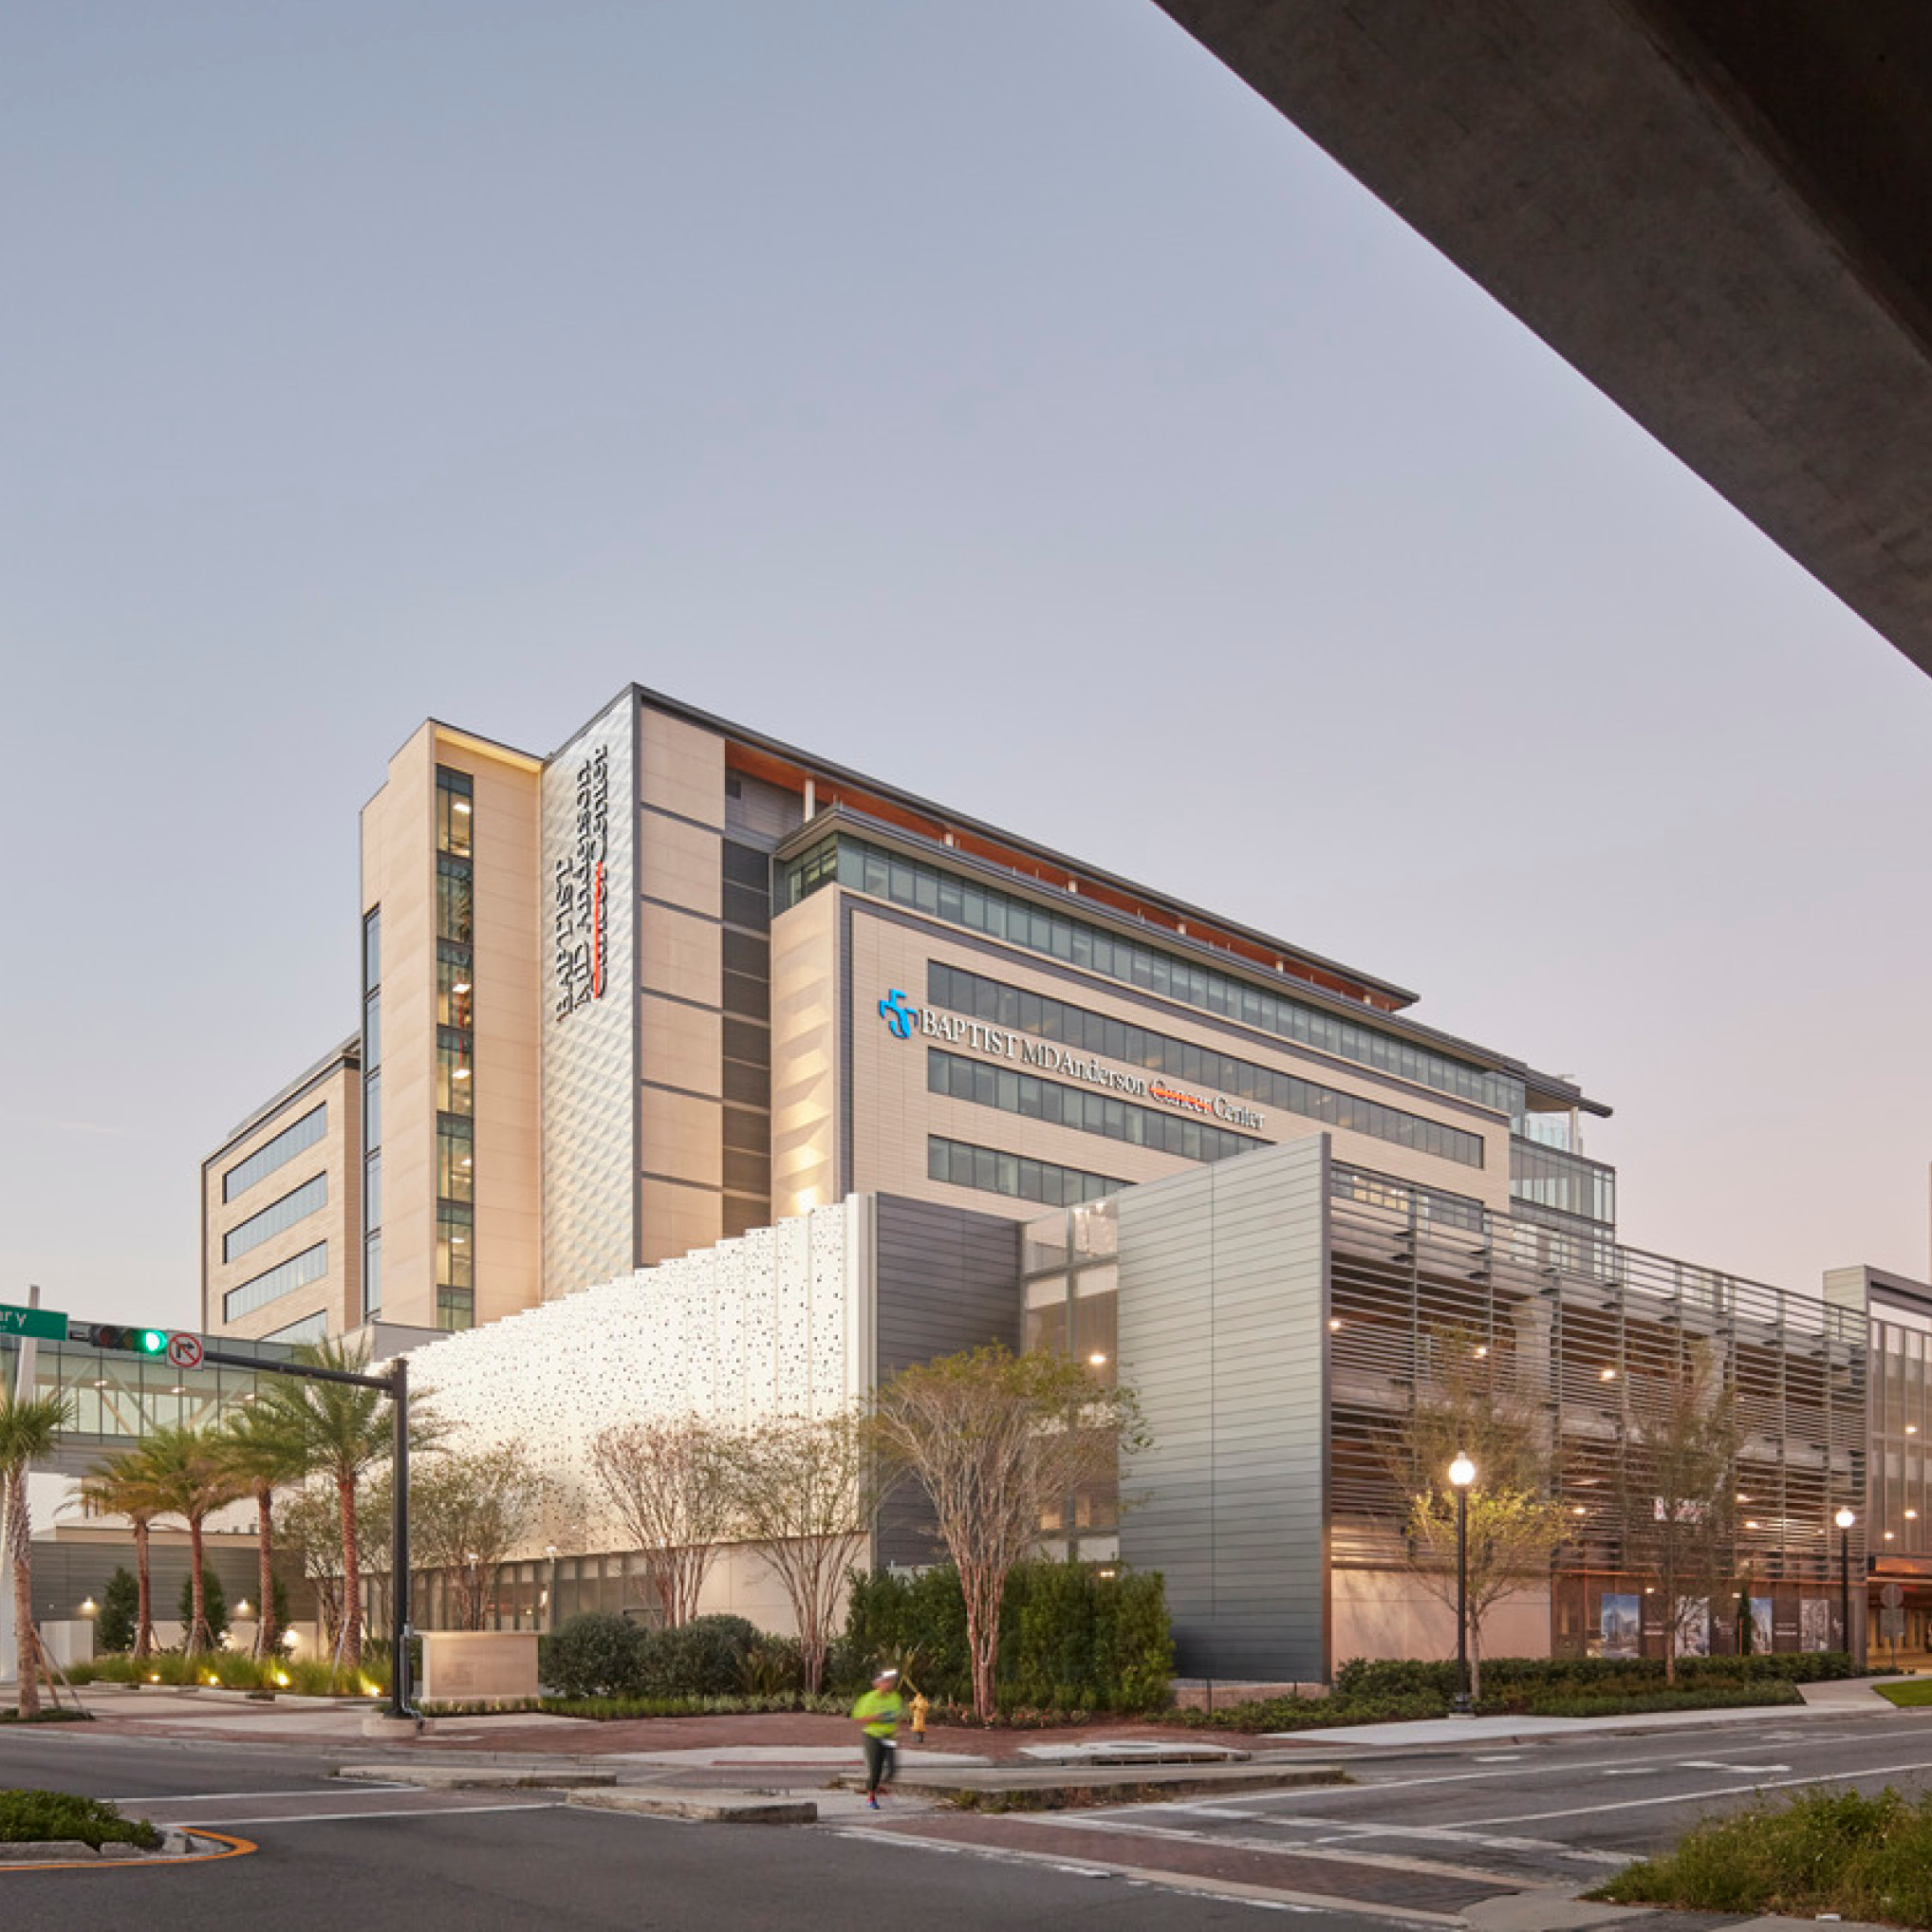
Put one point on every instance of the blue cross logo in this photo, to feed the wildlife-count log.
(898, 1016)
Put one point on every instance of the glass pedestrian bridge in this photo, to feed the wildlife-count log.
(116, 1396)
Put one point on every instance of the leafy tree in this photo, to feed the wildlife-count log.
(467, 1514)
(191, 1482)
(1468, 1403)
(311, 1532)
(125, 1485)
(1679, 1505)
(28, 1427)
(671, 1485)
(120, 1611)
(339, 1432)
(261, 1456)
(213, 1605)
(997, 1441)
(805, 1493)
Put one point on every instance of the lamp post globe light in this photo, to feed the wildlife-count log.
(1845, 1520)
(1461, 1474)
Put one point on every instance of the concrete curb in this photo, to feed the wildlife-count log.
(1048, 1782)
(709, 1808)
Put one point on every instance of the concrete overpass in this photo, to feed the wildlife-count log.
(1718, 211)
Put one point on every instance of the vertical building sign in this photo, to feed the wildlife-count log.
(588, 1004)
(580, 919)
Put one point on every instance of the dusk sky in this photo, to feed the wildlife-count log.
(998, 398)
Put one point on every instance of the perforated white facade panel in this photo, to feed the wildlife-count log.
(777, 1321)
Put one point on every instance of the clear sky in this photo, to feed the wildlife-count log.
(993, 397)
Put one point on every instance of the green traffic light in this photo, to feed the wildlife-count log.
(153, 1341)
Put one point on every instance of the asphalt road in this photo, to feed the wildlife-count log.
(1417, 1838)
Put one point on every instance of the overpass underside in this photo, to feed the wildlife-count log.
(1714, 209)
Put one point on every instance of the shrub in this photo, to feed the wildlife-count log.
(704, 1657)
(30, 1817)
(594, 1655)
(119, 1606)
(213, 1602)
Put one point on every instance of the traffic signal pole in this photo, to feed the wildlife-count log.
(396, 1387)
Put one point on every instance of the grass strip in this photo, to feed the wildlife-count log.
(1821, 1852)
(36, 1817)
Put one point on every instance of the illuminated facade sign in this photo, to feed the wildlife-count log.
(905, 1020)
(581, 916)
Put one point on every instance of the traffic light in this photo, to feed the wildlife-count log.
(129, 1341)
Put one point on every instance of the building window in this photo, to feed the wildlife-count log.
(456, 1088)
(993, 1172)
(1086, 1113)
(455, 913)
(276, 1218)
(456, 990)
(309, 1329)
(270, 1155)
(1022, 1011)
(456, 1158)
(284, 1278)
(455, 809)
(861, 866)
(455, 1245)
(456, 1307)
(372, 1113)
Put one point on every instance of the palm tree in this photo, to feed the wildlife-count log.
(340, 1432)
(261, 1457)
(27, 1429)
(125, 1485)
(192, 1482)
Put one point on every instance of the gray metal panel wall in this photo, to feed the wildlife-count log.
(947, 1279)
(1223, 1330)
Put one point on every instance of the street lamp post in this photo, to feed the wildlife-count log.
(1461, 1474)
(1845, 1520)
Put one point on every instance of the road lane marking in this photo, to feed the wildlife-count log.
(356, 1817)
(1694, 1797)
(229, 1797)
(1743, 1770)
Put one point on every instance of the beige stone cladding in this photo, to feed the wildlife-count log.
(507, 926)
(681, 976)
(334, 1089)
(398, 876)
(893, 1112)
(804, 1054)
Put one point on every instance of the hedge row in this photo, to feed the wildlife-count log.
(1071, 1636)
(1512, 1680)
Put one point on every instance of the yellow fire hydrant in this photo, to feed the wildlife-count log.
(920, 1708)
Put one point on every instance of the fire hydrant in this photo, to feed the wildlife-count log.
(920, 1708)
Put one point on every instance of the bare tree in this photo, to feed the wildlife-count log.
(466, 1514)
(1469, 1402)
(671, 1485)
(998, 1442)
(804, 1494)
(1680, 1487)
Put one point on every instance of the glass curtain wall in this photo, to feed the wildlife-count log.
(372, 1113)
(455, 1245)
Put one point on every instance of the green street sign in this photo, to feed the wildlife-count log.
(39, 1325)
